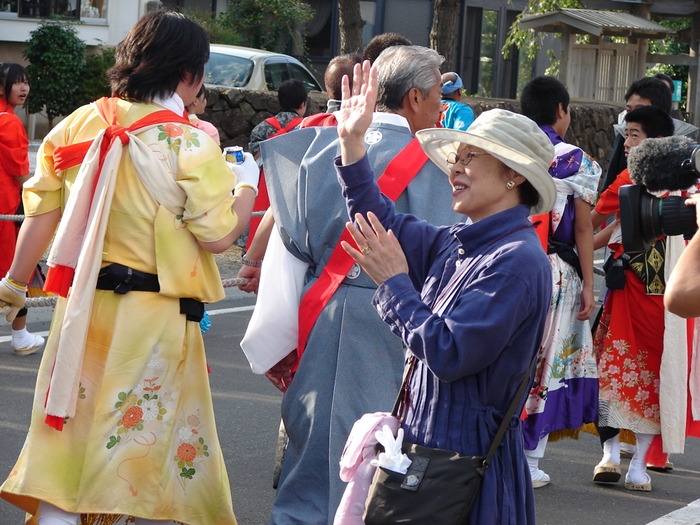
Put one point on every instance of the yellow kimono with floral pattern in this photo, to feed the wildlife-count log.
(143, 442)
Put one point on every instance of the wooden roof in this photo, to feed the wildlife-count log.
(594, 22)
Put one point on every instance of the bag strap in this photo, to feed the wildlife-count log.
(509, 414)
(398, 174)
(403, 395)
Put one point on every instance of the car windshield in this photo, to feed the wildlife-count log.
(226, 70)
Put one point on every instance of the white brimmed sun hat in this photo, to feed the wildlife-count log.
(513, 139)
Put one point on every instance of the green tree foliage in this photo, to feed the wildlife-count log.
(670, 46)
(56, 57)
(93, 80)
(216, 27)
(266, 24)
(527, 41)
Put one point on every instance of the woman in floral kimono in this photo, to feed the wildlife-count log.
(122, 423)
(564, 395)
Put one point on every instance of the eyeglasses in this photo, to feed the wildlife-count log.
(465, 159)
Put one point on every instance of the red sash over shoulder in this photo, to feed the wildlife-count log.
(319, 120)
(59, 278)
(396, 177)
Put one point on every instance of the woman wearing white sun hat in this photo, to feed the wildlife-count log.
(472, 352)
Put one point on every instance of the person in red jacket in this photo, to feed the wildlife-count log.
(14, 170)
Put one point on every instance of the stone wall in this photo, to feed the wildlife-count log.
(236, 112)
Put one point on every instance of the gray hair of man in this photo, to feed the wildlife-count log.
(402, 68)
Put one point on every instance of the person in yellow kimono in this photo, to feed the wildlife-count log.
(122, 422)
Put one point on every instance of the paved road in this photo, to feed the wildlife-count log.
(247, 410)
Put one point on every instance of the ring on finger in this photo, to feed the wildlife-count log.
(365, 251)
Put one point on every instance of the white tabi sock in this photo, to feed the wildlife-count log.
(637, 472)
(21, 338)
(534, 456)
(611, 451)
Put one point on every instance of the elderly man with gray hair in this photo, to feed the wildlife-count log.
(314, 301)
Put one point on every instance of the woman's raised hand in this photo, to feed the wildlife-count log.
(380, 253)
(356, 111)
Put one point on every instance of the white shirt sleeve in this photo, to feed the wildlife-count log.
(273, 330)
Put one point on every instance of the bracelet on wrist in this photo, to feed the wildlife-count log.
(248, 262)
(15, 282)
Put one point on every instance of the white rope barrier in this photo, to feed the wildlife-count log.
(34, 302)
(11, 217)
(20, 218)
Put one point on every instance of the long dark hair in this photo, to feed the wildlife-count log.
(157, 53)
(10, 73)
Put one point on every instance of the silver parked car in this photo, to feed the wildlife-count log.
(254, 69)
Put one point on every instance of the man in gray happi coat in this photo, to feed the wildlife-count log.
(352, 363)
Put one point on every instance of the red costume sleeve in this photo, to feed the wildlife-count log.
(14, 146)
(609, 201)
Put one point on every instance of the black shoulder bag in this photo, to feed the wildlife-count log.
(440, 486)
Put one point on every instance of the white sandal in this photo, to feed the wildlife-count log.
(642, 487)
(607, 473)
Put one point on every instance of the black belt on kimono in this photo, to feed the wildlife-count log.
(567, 254)
(123, 279)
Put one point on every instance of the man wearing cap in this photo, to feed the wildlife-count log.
(351, 362)
(455, 114)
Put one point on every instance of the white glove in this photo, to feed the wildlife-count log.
(392, 458)
(12, 298)
(248, 173)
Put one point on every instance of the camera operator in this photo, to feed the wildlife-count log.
(630, 335)
(682, 295)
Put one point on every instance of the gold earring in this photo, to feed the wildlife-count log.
(510, 185)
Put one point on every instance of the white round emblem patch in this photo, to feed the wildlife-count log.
(354, 272)
(372, 137)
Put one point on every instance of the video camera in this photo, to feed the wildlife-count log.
(656, 165)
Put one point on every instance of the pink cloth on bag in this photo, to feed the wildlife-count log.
(355, 467)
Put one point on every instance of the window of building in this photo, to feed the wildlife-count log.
(71, 9)
(8, 6)
(368, 12)
(487, 55)
(485, 71)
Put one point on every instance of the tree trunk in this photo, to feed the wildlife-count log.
(350, 23)
(444, 29)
